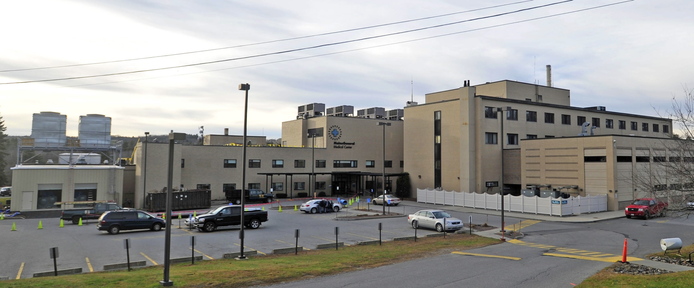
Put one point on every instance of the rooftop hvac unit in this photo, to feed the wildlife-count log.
(395, 114)
(340, 111)
(48, 129)
(311, 110)
(95, 131)
(374, 112)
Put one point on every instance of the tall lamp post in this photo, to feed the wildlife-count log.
(384, 124)
(501, 183)
(313, 164)
(144, 173)
(243, 87)
(169, 192)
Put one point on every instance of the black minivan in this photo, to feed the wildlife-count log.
(114, 221)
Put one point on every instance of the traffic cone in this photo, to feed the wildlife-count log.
(62, 223)
(263, 208)
(14, 226)
(40, 225)
(280, 210)
(195, 214)
(296, 208)
(179, 216)
(80, 222)
(2, 216)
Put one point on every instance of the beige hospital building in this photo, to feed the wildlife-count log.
(508, 136)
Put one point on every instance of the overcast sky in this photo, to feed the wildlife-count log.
(633, 57)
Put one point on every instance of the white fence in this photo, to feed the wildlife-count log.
(523, 204)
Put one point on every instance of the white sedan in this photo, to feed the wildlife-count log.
(434, 219)
(313, 206)
(390, 200)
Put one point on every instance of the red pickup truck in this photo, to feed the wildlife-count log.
(646, 208)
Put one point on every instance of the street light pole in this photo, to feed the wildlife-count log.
(313, 165)
(169, 192)
(144, 173)
(243, 87)
(384, 124)
(501, 183)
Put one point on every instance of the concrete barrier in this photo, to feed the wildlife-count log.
(330, 245)
(185, 259)
(287, 250)
(237, 254)
(372, 242)
(120, 266)
(60, 272)
(435, 235)
(403, 238)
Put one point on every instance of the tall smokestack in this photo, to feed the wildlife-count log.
(226, 131)
(549, 75)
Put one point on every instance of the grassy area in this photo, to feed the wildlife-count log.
(266, 269)
(608, 278)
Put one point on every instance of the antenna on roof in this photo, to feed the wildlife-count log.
(412, 90)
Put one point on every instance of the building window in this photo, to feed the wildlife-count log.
(666, 129)
(344, 163)
(622, 125)
(388, 164)
(183, 163)
(320, 185)
(299, 163)
(277, 186)
(644, 127)
(320, 163)
(634, 126)
(254, 163)
(370, 163)
(549, 118)
(277, 163)
(531, 136)
(512, 139)
(609, 123)
(402, 164)
(229, 163)
(253, 185)
(200, 187)
(549, 136)
(565, 119)
(531, 116)
(490, 138)
(299, 185)
(228, 187)
(596, 122)
(512, 114)
(656, 128)
(47, 197)
(580, 120)
(490, 112)
(437, 115)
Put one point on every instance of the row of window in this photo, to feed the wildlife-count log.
(531, 116)
(276, 186)
(278, 163)
(492, 138)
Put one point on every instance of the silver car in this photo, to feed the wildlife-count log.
(434, 219)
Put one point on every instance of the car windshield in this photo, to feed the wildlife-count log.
(216, 210)
(441, 214)
(641, 202)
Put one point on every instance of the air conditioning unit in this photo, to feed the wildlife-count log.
(374, 112)
(311, 110)
(340, 111)
(395, 114)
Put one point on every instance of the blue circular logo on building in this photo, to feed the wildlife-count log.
(335, 132)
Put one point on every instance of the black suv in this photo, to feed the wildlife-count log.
(114, 221)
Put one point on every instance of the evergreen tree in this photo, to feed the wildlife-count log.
(4, 179)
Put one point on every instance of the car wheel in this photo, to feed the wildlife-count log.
(76, 219)
(113, 229)
(314, 210)
(209, 226)
(662, 213)
(336, 209)
(415, 225)
(648, 216)
(439, 228)
(269, 200)
(628, 216)
(255, 224)
(156, 227)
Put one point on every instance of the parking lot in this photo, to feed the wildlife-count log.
(26, 251)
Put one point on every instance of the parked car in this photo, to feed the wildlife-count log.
(257, 195)
(390, 200)
(115, 221)
(226, 216)
(313, 206)
(646, 208)
(434, 219)
(6, 191)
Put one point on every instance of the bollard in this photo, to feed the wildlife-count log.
(624, 252)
